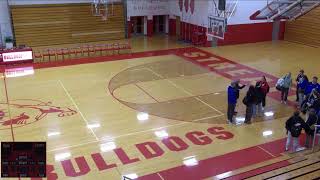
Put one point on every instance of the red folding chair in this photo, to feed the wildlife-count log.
(48, 53)
(37, 55)
(98, 48)
(125, 47)
(116, 48)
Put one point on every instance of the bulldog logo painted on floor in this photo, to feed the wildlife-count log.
(22, 112)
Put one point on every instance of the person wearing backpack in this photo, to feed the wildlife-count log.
(249, 100)
(294, 126)
(311, 122)
(287, 82)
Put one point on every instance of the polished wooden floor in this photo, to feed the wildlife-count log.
(150, 114)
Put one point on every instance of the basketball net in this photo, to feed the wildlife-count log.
(100, 8)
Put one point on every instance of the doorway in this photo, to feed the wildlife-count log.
(137, 25)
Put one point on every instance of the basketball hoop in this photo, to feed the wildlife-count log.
(101, 8)
(217, 27)
(217, 19)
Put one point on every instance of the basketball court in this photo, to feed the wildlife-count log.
(158, 112)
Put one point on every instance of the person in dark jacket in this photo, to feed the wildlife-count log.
(249, 101)
(238, 87)
(301, 78)
(312, 85)
(232, 101)
(265, 88)
(311, 101)
(257, 107)
(302, 82)
(294, 126)
(311, 122)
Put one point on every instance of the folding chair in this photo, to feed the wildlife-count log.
(316, 134)
(49, 52)
(116, 48)
(37, 55)
(98, 48)
(125, 47)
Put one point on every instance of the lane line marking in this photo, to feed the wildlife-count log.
(74, 103)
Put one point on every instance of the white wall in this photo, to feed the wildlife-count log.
(147, 7)
(5, 21)
(244, 9)
(198, 17)
(28, 2)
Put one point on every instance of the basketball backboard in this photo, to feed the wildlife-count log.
(285, 9)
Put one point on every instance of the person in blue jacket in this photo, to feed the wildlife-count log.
(302, 84)
(232, 101)
(312, 85)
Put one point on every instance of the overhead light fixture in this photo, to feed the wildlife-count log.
(161, 134)
(267, 133)
(190, 161)
(54, 133)
(269, 113)
(105, 147)
(62, 156)
(94, 125)
(142, 116)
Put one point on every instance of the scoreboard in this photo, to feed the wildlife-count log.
(23, 159)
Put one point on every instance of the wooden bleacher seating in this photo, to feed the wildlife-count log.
(305, 30)
(44, 25)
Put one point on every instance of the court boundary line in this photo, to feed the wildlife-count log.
(266, 151)
(8, 105)
(76, 106)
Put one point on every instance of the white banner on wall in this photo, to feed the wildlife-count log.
(147, 7)
(17, 56)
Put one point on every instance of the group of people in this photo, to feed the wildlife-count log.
(308, 102)
(255, 99)
(307, 97)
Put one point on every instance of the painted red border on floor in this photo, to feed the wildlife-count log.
(220, 164)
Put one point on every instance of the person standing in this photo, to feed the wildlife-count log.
(249, 101)
(265, 88)
(287, 82)
(257, 107)
(300, 78)
(232, 101)
(238, 87)
(312, 85)
(301, 87)
(294, 126)
(311, 122)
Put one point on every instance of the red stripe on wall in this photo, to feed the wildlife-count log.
(149, 27)
(172, 27)
(247, 33)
